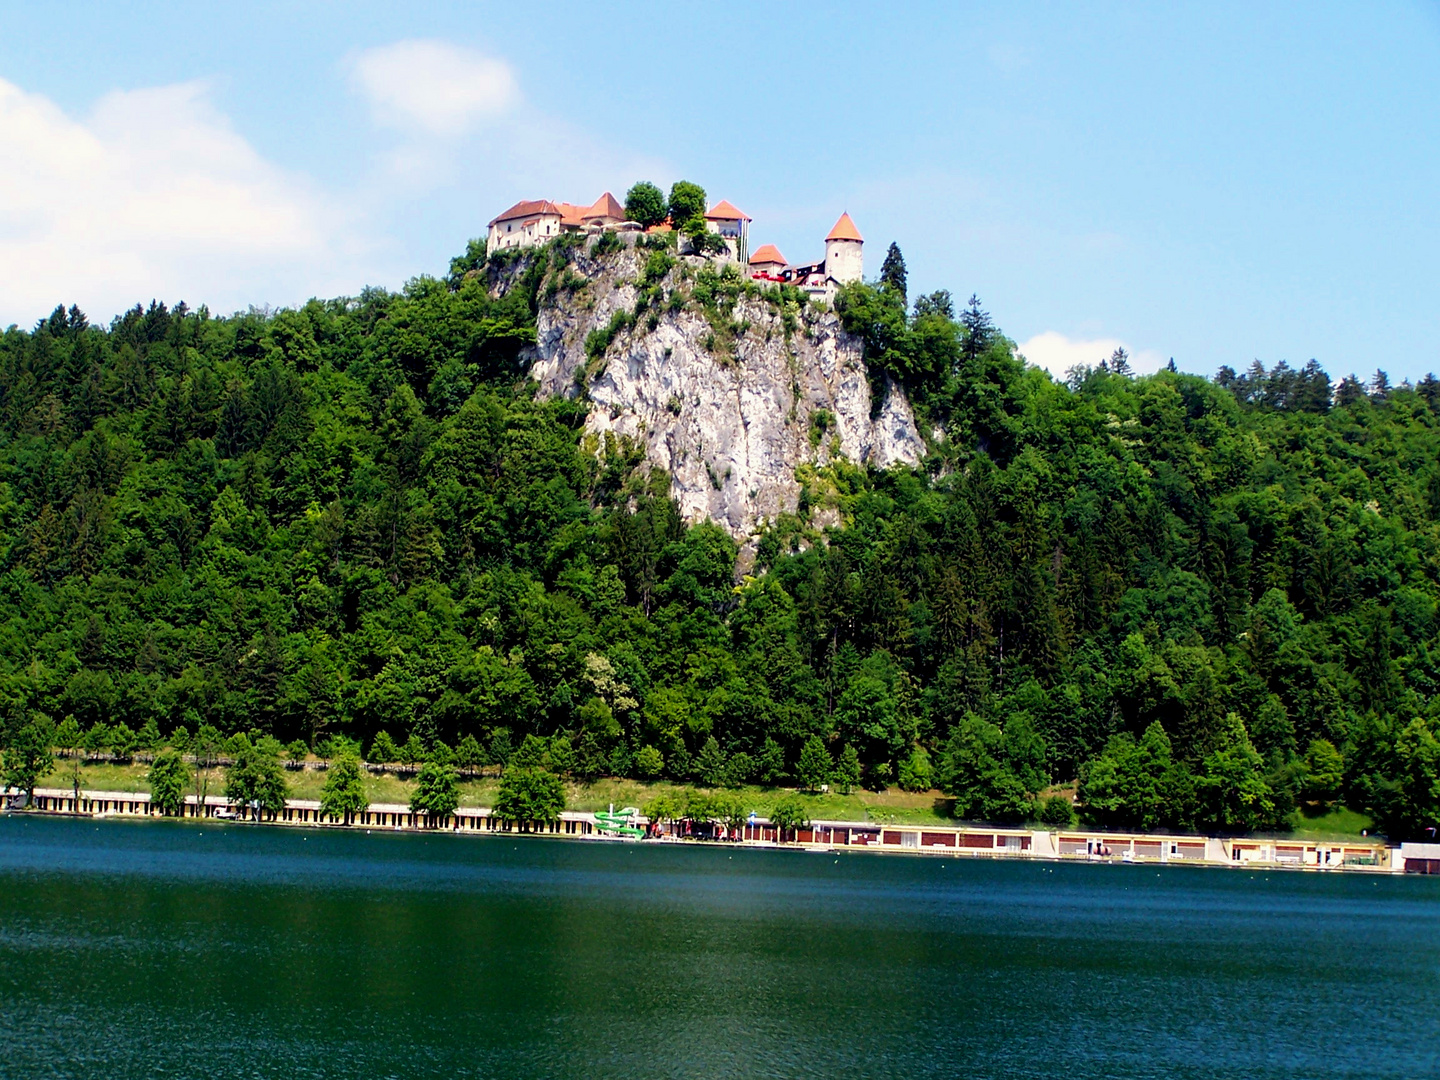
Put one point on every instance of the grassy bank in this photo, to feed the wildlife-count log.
(887, 806)
(891, 806)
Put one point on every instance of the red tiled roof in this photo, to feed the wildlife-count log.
(527, 208)
(845, 230)
(570, 214)
(768, 254)
(727, 211)
(605, 206)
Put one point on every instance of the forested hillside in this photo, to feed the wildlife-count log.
(1209, 601)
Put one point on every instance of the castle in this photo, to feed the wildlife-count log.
(844, 262)
(538, 221)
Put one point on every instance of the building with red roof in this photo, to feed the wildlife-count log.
(727, 220)
(844, 262)
(767, 260)
(537, 221)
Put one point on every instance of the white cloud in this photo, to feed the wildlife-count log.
(1057, 353)
(466, 137)
(152, 194)
(441, 88)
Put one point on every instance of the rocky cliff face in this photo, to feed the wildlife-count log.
(728, 391)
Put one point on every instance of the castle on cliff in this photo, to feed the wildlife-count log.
(538, 221)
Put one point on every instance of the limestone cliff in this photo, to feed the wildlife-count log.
(729, 389)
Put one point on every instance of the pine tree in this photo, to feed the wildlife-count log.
(892, 273)
(710, 763)
(343, 795)
(847, 770)
(436, 793)
(168, 778)
(979, 331)
(815, 764)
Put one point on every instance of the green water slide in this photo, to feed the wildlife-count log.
(618, 821)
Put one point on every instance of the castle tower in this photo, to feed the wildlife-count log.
(844, 255)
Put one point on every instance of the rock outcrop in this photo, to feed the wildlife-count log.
(729, 391)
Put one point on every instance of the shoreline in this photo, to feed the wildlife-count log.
(954, 841)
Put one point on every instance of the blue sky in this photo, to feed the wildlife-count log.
(1212, 182)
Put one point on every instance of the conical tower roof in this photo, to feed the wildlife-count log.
(845, 230)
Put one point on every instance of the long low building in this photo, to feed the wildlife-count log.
(943, 840)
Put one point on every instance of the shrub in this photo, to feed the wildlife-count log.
(530, 795)
(709, 243)
(821, 421)
(1056, 810)
(915, 771)
(649, 763)
(608, 244)
(599, 339)
(789, 814)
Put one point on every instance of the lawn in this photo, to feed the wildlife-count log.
(1335, 823)
(893, 805)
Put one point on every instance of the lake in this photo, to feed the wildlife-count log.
(144, 949)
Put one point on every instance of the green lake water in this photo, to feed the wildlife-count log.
(132, 950)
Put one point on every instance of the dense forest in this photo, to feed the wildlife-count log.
(1206, 601)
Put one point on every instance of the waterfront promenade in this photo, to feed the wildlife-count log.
(957, 841)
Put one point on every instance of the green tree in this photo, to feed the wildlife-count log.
(254, 782)
(788, 815)
(529, 796)
(148, 738)
(27, 759)
(973, 769)
(169, 777)
(205, 752)
(436, 793)
(847, 770)
(687, 206)
(916, 773)
(468, 754)
(560, 757)
(645, 204)
(710, 763)
(892, 273)
(343, 795)
(1057, 812)
(1409, 804)
(534, 752)
(770, 765)
(665, 807)
(649, 763)
(815, 765)
(383, 750)
(1233, 794)
(414, 751)
(67, 735)
(1324, 772)
(1136, 785)
(74, 774)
